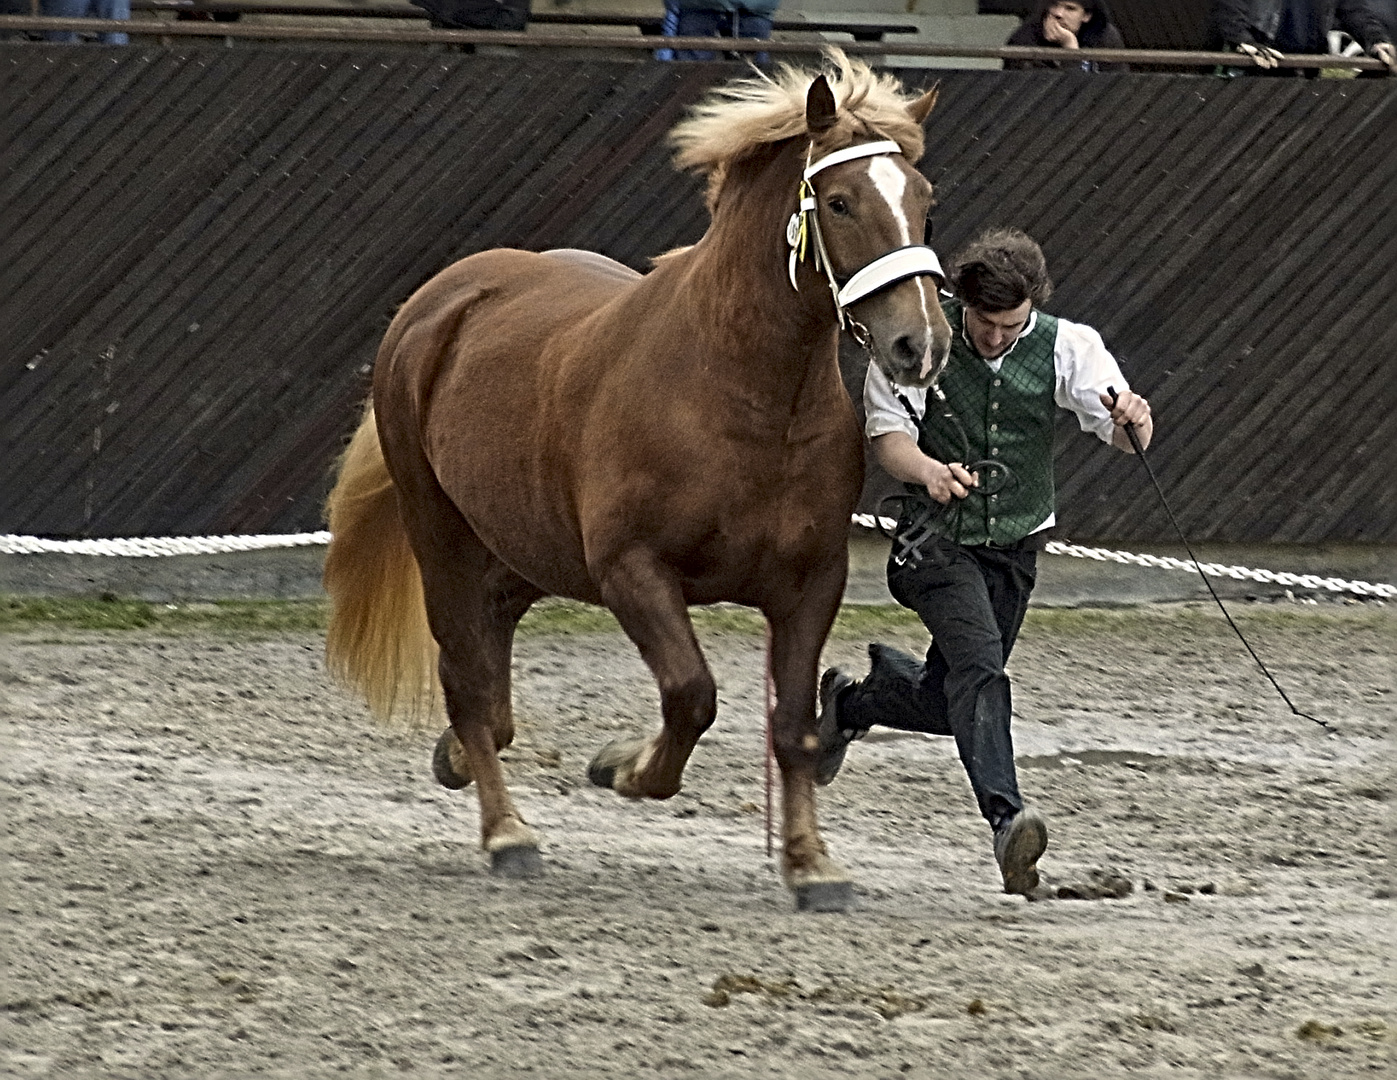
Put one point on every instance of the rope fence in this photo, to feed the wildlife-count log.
(155, 546)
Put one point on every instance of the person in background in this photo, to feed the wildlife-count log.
(970, 574)
(1266, 30)
(86, 9)
(720, 18)
(1067, 24)
(669, 26)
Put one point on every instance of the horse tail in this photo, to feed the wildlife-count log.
(378, 641)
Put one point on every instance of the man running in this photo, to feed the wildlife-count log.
(967, 565)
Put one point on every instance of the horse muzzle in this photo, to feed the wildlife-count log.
(916, 357)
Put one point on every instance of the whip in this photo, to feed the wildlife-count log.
(1140, 453)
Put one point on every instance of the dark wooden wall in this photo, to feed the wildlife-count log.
(199, 249)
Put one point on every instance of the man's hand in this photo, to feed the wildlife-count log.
(947, 482)
(1262, 56)
(1129, 408)
(1387, 53)
(1055, 30)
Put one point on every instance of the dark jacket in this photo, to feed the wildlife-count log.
(1098, 32)
(1255, 22)
(751, 7)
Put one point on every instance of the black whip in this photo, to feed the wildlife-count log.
(1140, 453)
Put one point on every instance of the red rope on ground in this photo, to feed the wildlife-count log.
(770, 752)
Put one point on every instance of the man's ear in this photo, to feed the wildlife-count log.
(921, 108)
(820, 109)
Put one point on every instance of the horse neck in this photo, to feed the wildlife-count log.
(768, 332)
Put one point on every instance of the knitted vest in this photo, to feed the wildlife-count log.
(1007, 416)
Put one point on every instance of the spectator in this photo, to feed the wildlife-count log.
(669, 26)
(1068, 24)
(86, 9)
(1386, 11)
(1266, 30)
(512, 15)
(722, 18)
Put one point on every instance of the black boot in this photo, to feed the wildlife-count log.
(834, 740)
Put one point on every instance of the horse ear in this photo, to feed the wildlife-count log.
(820, 108)
(921, 108)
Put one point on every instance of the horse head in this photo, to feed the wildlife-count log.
(862, 218)
(829, 156)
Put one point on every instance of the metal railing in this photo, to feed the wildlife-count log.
(1136, 58)
(650, 25)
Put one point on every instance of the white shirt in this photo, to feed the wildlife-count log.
(1082, 367)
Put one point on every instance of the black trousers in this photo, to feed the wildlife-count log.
(973, 600)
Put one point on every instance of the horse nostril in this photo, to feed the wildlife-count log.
(908, 350)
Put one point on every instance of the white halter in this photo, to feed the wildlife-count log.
(886, 270)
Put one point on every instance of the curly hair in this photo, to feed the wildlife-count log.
(999, 270)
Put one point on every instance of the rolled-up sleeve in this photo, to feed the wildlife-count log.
(883, 412)
(1084, 369)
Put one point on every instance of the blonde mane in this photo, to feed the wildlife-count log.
(736, 119)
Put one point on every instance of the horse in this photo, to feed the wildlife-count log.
(556, 424)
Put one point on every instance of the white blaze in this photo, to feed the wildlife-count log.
(891, 183)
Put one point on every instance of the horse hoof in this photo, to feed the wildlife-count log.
(825, 896)
(520, 861)
(443, 767)
(603, 767)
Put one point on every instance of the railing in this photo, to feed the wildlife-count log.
(648, 25)
(1136, 58)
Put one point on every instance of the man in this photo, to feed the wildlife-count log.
(1011, 366)
(1265, 30)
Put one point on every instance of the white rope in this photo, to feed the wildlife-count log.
(150, 546)
(1167, 562)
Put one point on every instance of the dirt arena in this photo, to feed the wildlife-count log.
(216, 866)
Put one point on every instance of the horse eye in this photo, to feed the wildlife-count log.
(839, 206)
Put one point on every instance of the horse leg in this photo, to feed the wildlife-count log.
(647, 600)
(819, 883)
(474, 601)
(473, 614)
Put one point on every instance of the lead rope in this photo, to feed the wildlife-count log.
(770, 749)
(1140, 453)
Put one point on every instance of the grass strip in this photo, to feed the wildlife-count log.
(554, 616)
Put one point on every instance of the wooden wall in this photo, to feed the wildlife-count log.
(200, 247)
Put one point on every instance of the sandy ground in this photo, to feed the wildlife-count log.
(216, 866)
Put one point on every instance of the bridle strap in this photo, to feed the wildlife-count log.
(852, 153)
(803, 234)
(886, 270)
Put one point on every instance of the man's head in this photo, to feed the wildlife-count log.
(1000, 276)
(1072, 14)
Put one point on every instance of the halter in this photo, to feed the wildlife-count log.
(886, 270)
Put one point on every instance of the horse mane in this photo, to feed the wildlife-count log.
(739, 118)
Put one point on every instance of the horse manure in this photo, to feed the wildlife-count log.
(1314, 1031)
(1103, 884)
(976, 1007)
(887, 1001)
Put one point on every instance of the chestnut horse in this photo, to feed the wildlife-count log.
(555, 424)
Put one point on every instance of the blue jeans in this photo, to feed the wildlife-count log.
(86, 9)
(730, 24)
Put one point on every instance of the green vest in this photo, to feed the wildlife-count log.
(1007, 416)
